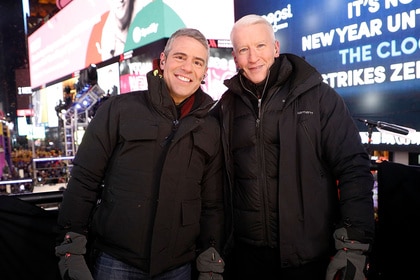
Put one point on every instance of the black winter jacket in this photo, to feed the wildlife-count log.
(162, 195)
(285, 153)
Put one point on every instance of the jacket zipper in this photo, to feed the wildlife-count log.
(168, 139)
(260, 149)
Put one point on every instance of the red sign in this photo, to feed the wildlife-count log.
(25, 112)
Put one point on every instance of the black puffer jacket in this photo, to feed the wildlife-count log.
(284, 157)
(162, 193)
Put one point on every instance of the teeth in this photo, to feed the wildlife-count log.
(183, 79)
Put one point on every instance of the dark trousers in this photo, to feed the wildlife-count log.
(249, 262)
(109, 268)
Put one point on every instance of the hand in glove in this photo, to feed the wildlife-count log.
(72, 263)
(350, 262)
(210, 265)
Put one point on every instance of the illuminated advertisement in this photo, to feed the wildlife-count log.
(86, 32)
(44, 102)
(221, 67)
(134, 66)
(368, 51)
(109, 79)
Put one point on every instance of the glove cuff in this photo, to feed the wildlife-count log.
(210, 261)
(74, 243)
(342, 241)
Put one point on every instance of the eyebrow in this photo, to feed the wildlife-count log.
(195, 57)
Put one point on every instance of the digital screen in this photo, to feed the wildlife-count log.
(368, 51)
(136, 64)
(85, 32)
(221, 66)
(109, 79)
(44, 102)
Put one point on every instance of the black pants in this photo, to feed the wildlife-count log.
(248, 262)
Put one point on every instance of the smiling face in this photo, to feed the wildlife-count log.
(184, 67)
(254, 50)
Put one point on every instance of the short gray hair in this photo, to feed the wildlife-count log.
(248, 20)
(188, 32)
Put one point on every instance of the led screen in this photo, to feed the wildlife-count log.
(44, 102)
(85, 32)
(221, 66)
(109, 79)
(369, 51)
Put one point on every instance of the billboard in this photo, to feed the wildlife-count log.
(109, 79)
(368, 51)
(221, 67)
(134, 66)
(86, 32)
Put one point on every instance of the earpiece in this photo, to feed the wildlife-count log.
(202, 80)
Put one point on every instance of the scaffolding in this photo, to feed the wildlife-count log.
(78, 116)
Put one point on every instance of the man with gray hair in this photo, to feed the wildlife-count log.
(299, 174)
(146, 184)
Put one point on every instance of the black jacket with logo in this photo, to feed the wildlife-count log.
(287, 142)
(160, 179)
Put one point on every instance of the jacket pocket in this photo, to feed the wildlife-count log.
(144, 130)
(136, 148)
(205, 143)
(189, 231)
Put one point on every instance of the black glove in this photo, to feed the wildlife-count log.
(210, 265)
(350, 262)
(72, 264)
